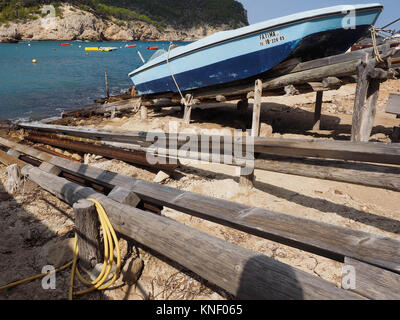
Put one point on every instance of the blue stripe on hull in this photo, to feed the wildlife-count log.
(226, 71)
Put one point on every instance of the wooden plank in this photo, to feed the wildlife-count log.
(385, 177)
(373, 282)
(393, 105)
(341, 150)
(241, 272)
(87, 228)
(367, 93)
(321, 238)
(377, 176)
(317, 112)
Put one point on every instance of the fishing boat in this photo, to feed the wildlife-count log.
(251, 52)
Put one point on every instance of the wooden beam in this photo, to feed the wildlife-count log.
(255, 129)
(341, 150)
(328, 240)
(373, 282)
(367, 92)
(88, 230)
(317, 112)
(241, 272)
(385, 177)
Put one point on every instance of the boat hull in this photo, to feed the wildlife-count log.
(254, 55)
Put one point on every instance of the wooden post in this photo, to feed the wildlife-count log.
(255, 130)
(188, 108)
(365, 102)
(248, 180)
(143, 112)
(107, 88)
(87, 227)
(317, 112)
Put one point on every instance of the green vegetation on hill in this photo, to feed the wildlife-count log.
(178, 13)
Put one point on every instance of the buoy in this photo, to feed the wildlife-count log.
(34, 61)
(87, 53)
(130, 45)
(65, 44)
(152, 48)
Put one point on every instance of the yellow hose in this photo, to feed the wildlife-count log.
(110, 240)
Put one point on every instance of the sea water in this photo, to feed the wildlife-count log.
(64, 77)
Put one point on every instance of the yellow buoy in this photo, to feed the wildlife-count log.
(34, 60)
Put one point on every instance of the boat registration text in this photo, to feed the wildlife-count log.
(271, 38)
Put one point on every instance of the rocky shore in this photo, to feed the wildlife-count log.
(76, 24)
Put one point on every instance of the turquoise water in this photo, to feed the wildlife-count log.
(64, 77)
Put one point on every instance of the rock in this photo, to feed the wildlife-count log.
(60, 252)
(266, 130)
(161, 177)
(132, 270)
(77, 24)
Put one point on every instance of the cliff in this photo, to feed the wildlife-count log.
(73, 23)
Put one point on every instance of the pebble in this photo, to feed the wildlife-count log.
(132, 270)
(161, 177)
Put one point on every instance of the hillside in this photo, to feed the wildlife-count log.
(164, 15)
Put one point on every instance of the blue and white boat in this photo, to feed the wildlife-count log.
(251, 52)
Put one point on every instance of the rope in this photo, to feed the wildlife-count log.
(110, 241)
(376, 50)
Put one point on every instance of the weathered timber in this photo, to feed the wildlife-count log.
(377, 176)
(241, 272)
(50, 168)
(110, 152)
(118, 107)
(247, 179)
(367, 92)
(341, 65)
(317, 112)
(386, 177)
(321, 238)
(7, 160)
(87, 228)
(328, 240)
(373, 282)
(342, 150)
(124, 196)
(255, 129)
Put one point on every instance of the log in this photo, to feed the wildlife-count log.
(88, 230)
(373, 282)
(377, 176)
(241, 272)
(367, 93)
(328, 240)
(341, 150)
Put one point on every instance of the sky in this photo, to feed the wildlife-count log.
(261, 10)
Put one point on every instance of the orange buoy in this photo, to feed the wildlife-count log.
(152, 48)
(34, 61)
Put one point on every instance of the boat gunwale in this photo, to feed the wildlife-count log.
(249, 34)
